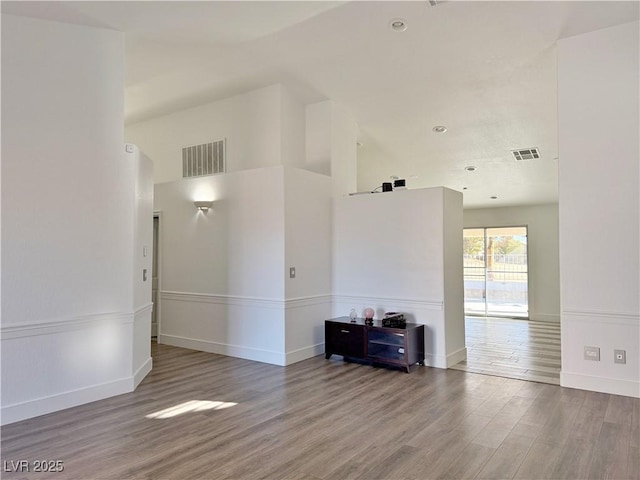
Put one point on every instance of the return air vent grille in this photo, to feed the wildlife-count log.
(526, 154)
(205, 159)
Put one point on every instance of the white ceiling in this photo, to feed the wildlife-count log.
(486, 70)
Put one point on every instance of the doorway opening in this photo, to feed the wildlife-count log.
(496, 272)
(154, 277)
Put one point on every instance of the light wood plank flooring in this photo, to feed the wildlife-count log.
(506, 347)
(329, 420)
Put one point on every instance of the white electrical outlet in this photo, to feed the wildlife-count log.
(592, 353)
(620, 356)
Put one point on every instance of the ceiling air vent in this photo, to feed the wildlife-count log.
(204, 159)
(526, 154)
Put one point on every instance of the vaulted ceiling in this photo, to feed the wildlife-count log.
(485, 70)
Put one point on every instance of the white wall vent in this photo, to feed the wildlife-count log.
(526, 154)
(204, 159)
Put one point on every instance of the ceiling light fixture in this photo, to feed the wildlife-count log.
(398, 25)
(439, 129)
(470, 168)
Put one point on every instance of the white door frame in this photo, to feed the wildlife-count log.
(157, 305)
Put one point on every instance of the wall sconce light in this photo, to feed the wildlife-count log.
(203, 206)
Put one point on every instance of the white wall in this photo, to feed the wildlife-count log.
(389, 254)
(452, 226)
(293, 130)
(308, 227)
(142, 258)
(544, 263)
(67, 218)
(318, 137)
(237, 248)
(225, 277)
(598, 78)
(264, 127)
(223, 273)
(344, 137)
(330, 147)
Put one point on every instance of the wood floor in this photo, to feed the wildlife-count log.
(330, 420)
(506, 347)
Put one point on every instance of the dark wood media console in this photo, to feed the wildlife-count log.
(402, 347)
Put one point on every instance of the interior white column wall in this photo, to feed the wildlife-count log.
(543, 251)
(389, 254)
(142, 258)
(598, 78)
(67, 218)
(455, 345)
(308, 227)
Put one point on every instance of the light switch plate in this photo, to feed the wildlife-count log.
(292, 272)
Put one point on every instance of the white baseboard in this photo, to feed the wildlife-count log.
(304, 353)
(600, 384)
(53, 403)
(142, 372)
(436, 361)
(456, 357)
(258, 355)
(445, 361)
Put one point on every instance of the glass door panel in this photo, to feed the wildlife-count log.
(474, 271)
(496, 277)
(507, 288)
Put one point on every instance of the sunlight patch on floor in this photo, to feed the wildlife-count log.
(190, 407)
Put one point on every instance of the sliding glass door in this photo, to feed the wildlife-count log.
(496, 271)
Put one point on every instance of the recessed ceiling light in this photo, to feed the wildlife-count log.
(493, 197)
(439, 129)
(398, 25)
(470, 168)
